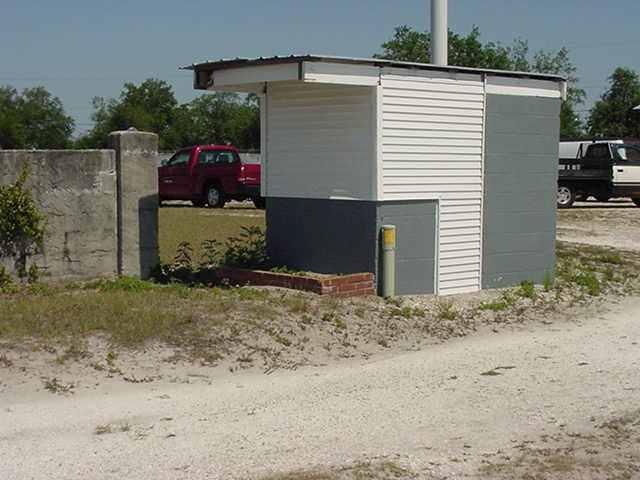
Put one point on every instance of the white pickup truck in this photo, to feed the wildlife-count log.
(603, 170)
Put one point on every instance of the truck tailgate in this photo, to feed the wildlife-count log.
(249, 174)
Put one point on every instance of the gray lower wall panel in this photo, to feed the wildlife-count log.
(521, 162)
(326, 236)
(343, 236)
(415, 223)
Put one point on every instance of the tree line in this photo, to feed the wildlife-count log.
(36, 119)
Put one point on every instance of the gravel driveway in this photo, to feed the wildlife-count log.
(442, 412)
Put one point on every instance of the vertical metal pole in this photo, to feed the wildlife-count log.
(439, 32)
(388, 260)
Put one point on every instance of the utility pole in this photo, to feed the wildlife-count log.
(439, 32)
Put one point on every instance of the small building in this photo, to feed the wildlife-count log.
(462, 161)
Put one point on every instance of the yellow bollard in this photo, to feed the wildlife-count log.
(388, 260)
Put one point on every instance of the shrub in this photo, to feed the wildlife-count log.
(248, 250)
(21, 226)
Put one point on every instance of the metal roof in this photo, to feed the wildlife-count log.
(223, 64)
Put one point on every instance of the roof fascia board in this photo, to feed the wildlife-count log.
(245, 63)
(525, 87)
(255, 74)
(432, 74)
(340, 73)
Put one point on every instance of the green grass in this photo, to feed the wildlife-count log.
(493, 306)
(128, 317)
(507, 299)
(130, 313)
(197, 225)
(597, 270)
(407, 312)
(204, 324)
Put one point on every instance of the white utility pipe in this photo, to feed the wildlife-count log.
(439, 32)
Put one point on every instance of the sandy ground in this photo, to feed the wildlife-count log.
(471, 407)
(615, 223)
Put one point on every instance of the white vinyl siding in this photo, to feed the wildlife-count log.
(432, 147)
(321, 141)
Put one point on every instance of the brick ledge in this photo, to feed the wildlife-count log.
(340, 286)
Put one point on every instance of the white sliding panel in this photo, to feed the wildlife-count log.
(432, 147)
(321, 141)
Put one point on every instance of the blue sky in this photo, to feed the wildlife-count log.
(80, 49)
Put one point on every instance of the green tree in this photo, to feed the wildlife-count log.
(613, 114)
(33, 119)
(220, 117)
(468, 51)
(150, 107)
(465, 51)
(11, 128)
(45, 124)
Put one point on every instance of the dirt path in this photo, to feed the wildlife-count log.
(441, 411)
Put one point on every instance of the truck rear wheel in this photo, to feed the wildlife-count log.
(214, 196)
(566, 196)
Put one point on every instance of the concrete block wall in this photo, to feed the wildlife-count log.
(137, 201)
(77, 192)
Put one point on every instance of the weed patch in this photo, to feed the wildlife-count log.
(384, 470)
(106, 429)
(5, 361)
(609, 449)
(54, 385)
(527, 290)
(445, 309)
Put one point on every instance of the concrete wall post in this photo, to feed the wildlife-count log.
(137, 201)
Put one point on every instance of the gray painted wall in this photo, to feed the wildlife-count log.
(415, 223)
(521, 164)
(342, 236)
(326, 236)
(77, 193)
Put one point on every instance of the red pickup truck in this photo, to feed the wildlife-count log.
(211, 175)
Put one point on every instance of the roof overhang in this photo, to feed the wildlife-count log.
(250, 75)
